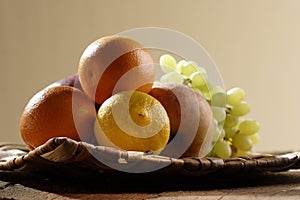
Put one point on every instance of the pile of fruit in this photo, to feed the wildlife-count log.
(114, 100)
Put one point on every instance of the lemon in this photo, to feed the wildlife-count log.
(132, 121)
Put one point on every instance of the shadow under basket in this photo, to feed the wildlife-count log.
(66, 157)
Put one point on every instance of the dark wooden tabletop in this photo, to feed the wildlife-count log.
(279, 185)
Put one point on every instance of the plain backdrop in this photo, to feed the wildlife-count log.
(254, 43)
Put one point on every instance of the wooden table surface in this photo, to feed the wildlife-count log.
(279, 185)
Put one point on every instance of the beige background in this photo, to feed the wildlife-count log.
(254, 43)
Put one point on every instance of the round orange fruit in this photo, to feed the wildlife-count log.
(113, 64)
(59, 111)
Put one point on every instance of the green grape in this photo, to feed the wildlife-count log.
(167, 63)
(241, 153)
(217, 134)
(172, 77)
(222, 149)
(240, 109)
(186, 69)
(222, 133)
(229, 132)
(235, 96)
(242, 142)
(200, 69)
(206, 91)
(248, 127)
(255, 138)
(218, 113)
(218, 97)
(231, 121)
(217, 131)
(180, 65)
(198, 80)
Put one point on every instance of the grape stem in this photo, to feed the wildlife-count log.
(187, 81)
(228, 109)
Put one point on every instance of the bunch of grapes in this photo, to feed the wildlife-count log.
(234, 135)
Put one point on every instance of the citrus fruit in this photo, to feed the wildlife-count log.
(132, 120)
(113, 64)
(58, 111)
(190, 117)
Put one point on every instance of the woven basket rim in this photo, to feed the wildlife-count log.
(66, 153)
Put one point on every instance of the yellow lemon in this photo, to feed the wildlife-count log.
(132, 121)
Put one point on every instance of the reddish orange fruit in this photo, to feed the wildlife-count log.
(113, 64)
(59, 111)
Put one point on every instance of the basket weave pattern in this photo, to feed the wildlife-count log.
(69, 156)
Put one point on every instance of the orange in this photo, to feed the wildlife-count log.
(58, 111)
(113, 64)
(134, 121)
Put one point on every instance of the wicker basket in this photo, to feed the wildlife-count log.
(68, 157)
